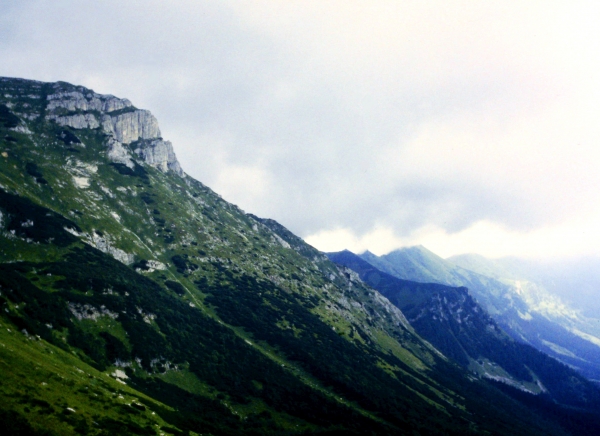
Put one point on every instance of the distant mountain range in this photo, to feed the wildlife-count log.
(525, 309)
(450, 319)
(136, 301)
(575, 280)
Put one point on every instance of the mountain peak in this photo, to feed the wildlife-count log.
(414, 249)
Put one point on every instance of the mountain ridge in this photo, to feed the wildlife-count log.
(522, 308)
(166, 309)
(451, 320)
(531, 287)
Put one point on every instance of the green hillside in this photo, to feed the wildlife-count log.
(135, 300)
(450, 319)
(520, 305)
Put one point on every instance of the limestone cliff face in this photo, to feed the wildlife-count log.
(159, 154)
(131, 126)
(125, 124)
(77, 101)
(117, 153)
(77, 121)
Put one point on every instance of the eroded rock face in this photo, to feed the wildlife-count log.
(131, 126)
(118, 153)
(77, 101)
(121, 121)
(77, 121)
(159, 154)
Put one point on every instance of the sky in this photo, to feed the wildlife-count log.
(463, 126)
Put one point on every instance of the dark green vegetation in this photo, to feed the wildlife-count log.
(454, 323)
(7, 118)
(519, 305)
(137, 301)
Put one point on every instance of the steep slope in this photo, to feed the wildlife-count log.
(418, 263)
(165, 309)
(553, 326)
(521, 307)
(453, 322)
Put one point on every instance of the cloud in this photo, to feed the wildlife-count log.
(395, 122)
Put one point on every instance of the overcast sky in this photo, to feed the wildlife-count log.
(463, 126)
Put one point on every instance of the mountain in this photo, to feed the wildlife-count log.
(135, 300)
(521, 308)
(575, 281)
(555, 327)
(418, 263)
(450, 319)
(421, 265)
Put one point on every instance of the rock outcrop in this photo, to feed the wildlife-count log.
(125, 124)
(117, 153)
(131, 126)
(77, 101)
(159, 154)
(77, 121)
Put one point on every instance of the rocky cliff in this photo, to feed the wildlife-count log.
(119, 119)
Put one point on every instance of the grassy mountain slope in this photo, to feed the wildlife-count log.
(135, 300)
(452, 321)
(421, 265)
(521, 307)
